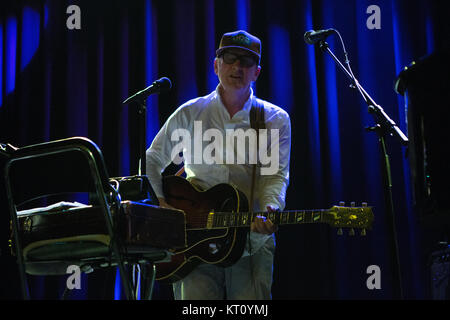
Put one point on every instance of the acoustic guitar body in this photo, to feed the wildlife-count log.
(220, 246)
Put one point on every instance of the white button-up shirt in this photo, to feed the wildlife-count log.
(192, 121)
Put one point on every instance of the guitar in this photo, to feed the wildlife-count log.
(216, 221)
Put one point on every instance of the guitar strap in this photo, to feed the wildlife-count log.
(257, 121)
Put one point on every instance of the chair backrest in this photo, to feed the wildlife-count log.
(68, 166)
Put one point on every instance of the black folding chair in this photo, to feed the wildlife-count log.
(38, 175)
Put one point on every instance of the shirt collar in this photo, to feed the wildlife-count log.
(247, 104)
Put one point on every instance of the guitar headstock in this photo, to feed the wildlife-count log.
(350, 217)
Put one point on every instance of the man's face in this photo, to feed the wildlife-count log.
(234, 70)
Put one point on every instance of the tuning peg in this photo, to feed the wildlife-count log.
(351, 232)
(353, 204)
(363, 232)
(339, 232)
(341, 203)
(364, 204)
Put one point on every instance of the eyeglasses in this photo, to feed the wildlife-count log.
(246, 61)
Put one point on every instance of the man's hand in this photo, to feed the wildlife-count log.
(263, 225)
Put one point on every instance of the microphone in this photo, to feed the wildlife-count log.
(158, 86)
(311, 36)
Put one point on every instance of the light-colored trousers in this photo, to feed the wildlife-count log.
(248, 279)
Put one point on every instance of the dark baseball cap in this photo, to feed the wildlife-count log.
(240, 39)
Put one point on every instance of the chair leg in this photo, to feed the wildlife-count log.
(148, 280)
(129, 292)
(124, 275)
(116, 250)
(17, 243)
(23, 280)
(20, 260)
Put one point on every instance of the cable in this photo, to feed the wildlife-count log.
(347, 62)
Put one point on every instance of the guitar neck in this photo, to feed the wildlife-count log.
(244, 219)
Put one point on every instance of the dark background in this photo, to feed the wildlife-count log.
(57, 83)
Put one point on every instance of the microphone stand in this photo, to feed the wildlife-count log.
(142, 128)
(142, 134)
(384, 126)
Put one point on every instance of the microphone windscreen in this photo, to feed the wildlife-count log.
(164, 84)
(306, 37)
